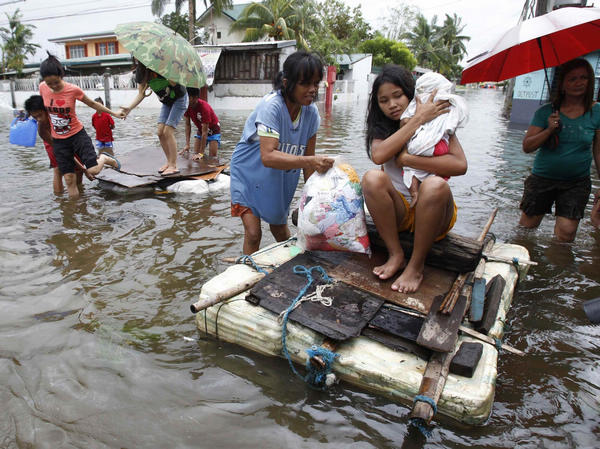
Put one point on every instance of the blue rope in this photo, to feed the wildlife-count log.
(515, 261)
(248, 258)
(420, 423)
(498, 344)
(315, 377)
(428, 400)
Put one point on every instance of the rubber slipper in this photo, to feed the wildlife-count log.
(118, 167)
(175, 172)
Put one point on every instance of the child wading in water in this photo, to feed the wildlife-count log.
(103, 124)
(387, 196)
(34, 106)
(69, 136)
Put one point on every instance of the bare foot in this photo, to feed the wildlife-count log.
(163, 168)
(391, 267)
(169, 171)
(409, 281)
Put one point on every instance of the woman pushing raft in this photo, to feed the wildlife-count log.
(386, 195)
(278, 141)
(564, 132)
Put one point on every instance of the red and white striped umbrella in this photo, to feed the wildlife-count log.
(544, 41)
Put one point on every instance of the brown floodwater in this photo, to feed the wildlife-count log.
(98, 348)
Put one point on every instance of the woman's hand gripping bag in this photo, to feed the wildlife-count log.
(331, 214)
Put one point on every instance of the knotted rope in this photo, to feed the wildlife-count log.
(316, 377)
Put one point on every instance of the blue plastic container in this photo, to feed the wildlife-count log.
(23, 132)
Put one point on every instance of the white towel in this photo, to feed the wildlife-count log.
(427, 135)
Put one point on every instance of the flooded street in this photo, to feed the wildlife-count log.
(98, 348)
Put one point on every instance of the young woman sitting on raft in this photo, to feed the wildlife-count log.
(279, 140)
(387, 197)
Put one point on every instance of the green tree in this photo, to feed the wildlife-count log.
(340, 30)
(425, 44)
(454, 43)
(16, 43)
(177, 22)
(272, 19)
(388, 51)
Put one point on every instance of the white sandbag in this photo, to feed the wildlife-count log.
(331, 213)
(221, 182)
(195, 186)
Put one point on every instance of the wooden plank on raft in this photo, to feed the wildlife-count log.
(350, 310)
(454, 253)
(357, 270)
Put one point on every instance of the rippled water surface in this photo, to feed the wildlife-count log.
(98, 348)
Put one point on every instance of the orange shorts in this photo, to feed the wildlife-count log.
(237, 210)
(408, 224)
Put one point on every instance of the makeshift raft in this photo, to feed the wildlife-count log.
(139, 174)
(385, 361)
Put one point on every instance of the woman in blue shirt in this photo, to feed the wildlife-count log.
(567, 133)
(279, 139)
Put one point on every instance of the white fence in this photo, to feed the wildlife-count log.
(125, 81)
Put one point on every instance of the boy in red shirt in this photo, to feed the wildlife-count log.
(207, 122)
(103, 123)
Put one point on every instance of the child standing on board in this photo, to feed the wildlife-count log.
(207, 123)
(174, 99)
(69, 136)
(386, 195)
(103, 124)
(278, 141)
(431, 139)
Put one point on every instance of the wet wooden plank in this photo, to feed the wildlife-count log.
(440, 331)
(455, 252)
(147, 160)
(357, 270)
(349, 313)
(140, 168)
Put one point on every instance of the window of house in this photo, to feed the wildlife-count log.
(218, 35)
(106, 48)
(247, 66)
(75, 51)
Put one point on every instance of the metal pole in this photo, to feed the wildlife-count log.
(12, 94)
(107, 89)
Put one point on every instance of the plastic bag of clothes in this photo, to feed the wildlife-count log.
(331, 213)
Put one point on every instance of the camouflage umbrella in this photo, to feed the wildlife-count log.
(162, 50)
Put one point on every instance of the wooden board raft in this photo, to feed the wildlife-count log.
(140, 168)
(364, 362)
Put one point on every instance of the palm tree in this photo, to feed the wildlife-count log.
(424, 43)
(452, 39)
(273, 18)
(17, 43)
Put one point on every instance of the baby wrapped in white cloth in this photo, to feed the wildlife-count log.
(435, 132)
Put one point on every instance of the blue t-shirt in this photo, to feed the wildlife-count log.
(268, 192)
(572, 158)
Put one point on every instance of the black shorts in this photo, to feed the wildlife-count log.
(78, 144)
(569, 197)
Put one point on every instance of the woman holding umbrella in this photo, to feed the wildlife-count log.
(167, 64)
(564, 132)
(174, 101)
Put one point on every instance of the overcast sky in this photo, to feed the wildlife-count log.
(484, 19)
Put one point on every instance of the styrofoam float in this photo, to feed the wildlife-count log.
(363, 362)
